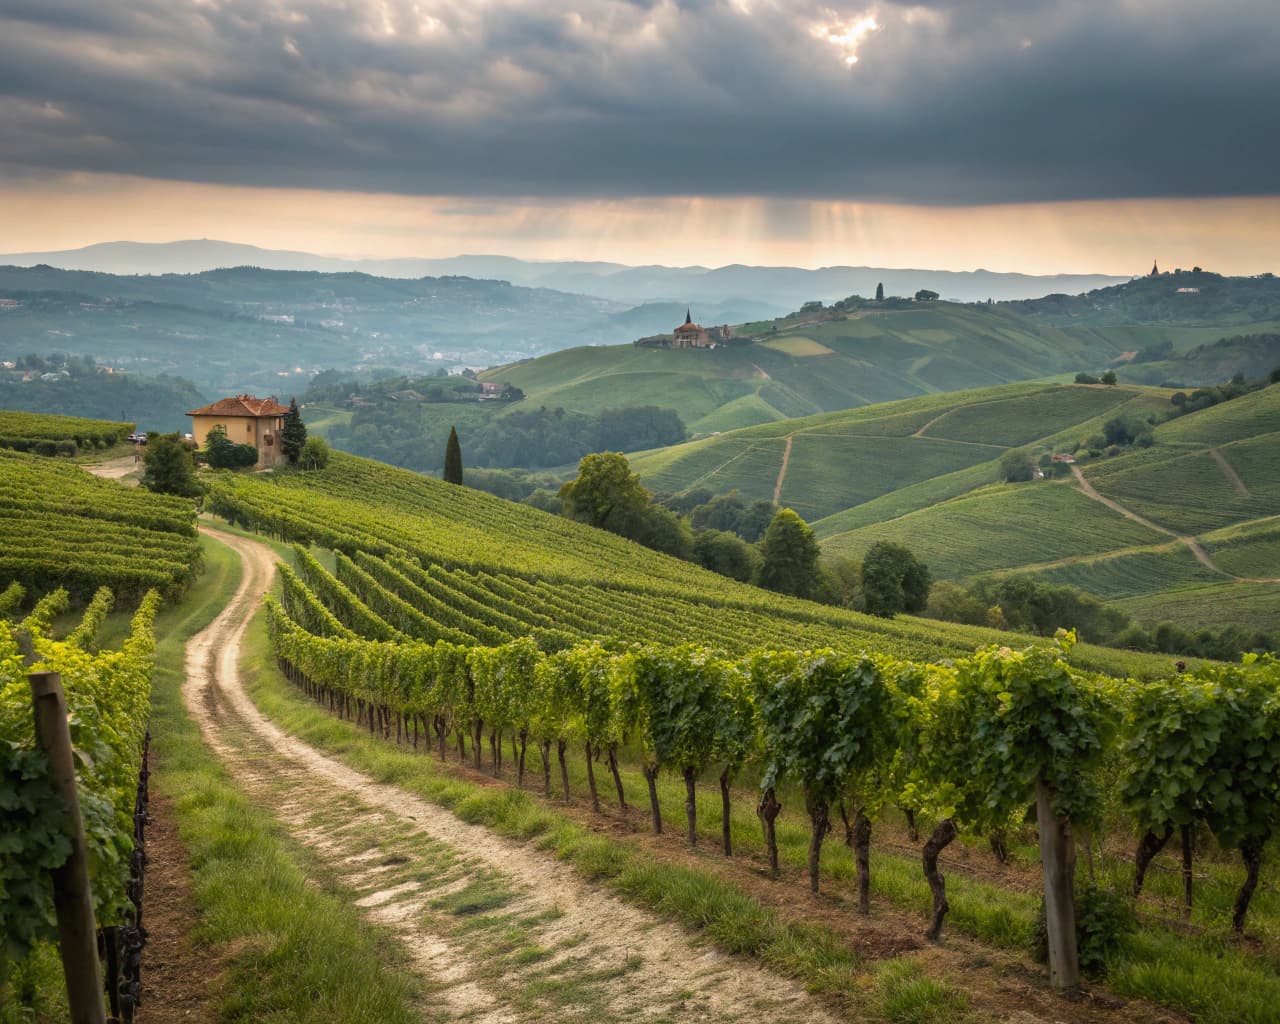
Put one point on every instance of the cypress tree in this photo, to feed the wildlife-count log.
(293, 435)
(453, 459)
(880, 293)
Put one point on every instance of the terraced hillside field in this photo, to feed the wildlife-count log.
(1182, 530)
(839, 461)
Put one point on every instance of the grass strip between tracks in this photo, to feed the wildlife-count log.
(293, 950)
(735, 921)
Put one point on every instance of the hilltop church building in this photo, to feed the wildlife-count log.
(691, 335)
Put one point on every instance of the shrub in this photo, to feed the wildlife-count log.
(1103, 917)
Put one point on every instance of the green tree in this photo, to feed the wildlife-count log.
(293, 435)
(880, 292)
(606, 494)
(169, 468)
(663, 530)
(222, 453)
(789, 555)
(453, 458)
(1109, 377)
(315, 454)
(925, 295)
(725, 553)
(894, 580)
(1017, 466)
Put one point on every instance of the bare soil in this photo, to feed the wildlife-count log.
(179, 976)
(630, 964)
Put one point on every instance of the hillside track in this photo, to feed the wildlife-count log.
(409, 865)
(1229, 472)
(782, 470)
(115, 469)
(1193, 545)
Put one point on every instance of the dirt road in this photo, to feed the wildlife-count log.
(498, 931)
(782, 471)
(115, 469)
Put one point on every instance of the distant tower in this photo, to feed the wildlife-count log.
(1155, 270)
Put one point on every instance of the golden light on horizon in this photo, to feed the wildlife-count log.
(1101, 236)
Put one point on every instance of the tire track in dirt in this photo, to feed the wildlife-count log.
(782, 470)
(409, 862)
(1229, 472)
(1193, 545)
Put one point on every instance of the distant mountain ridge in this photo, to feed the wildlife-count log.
(784, 288)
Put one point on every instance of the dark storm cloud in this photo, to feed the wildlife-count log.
(948, 102)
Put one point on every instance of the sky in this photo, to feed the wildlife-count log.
(1033, 135)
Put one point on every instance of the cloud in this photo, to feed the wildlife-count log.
(947, 101)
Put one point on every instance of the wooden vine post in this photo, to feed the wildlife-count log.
(1058, 858)
(72, 898)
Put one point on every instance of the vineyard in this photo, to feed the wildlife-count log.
(965, 745)
(47, 434)
(108, 700)
(561, 650)
(61, 527)
(431, 561)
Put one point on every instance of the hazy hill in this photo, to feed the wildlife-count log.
(1192, 297)
(247, 328)
(798, 367)
(781, 288)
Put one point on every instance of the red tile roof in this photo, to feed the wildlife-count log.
(242, 405)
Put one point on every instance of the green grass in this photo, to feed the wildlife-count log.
(1253, 606)
(1134, 573)
(296, 951)
(1251, 551)
(911, 997)
(1001, 527)
(896, 990)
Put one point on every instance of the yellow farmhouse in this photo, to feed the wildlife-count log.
(247, 420)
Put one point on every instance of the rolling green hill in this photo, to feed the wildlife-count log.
(564, 577)
(925, 472)
(798, 367)
(838, 462)
(1201, 546)
(862, 353)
